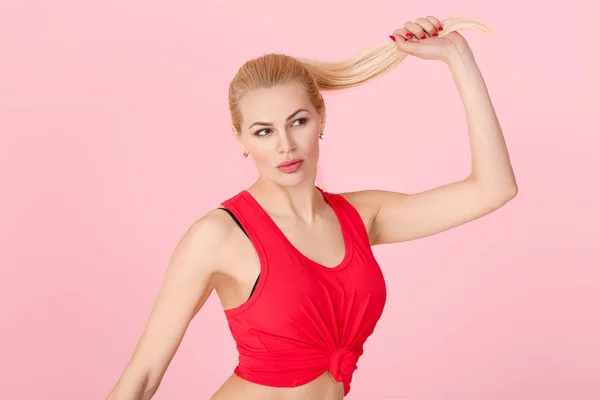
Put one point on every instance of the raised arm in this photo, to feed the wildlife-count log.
(395, 217)
(185, 289)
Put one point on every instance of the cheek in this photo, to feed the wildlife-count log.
(262, 156)
(313, 149)
(310, 145)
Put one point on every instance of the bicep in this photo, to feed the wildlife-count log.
(398, 217)
(185, 288)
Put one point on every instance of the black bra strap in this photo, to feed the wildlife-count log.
(234, 218)
(243, 230)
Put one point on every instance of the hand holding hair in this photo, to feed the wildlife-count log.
(427, 38)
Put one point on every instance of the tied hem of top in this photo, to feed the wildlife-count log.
(342, 363)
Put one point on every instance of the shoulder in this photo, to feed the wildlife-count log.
(370, 200)
(360, 199)
(208, 237)
(215, 223)
(366, 203)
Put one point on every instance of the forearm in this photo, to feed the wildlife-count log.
(491, 167)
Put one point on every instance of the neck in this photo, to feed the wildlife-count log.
(300, 202)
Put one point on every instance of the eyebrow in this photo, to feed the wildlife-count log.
(292, 115)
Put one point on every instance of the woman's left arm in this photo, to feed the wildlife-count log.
(395, 217)
(491, 169)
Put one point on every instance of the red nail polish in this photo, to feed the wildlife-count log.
(435, 34)
(409, 35)
(393, 37)
(423, 37)
(440, 28)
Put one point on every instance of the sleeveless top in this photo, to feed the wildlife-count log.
(304, 318)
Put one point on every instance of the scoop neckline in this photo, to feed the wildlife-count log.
(349, 248)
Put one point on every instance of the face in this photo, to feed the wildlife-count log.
(281, 126)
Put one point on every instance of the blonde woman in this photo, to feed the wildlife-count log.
(291, 263)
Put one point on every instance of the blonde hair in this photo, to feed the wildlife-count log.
(316, 76)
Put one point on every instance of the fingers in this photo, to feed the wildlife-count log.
(435, 22)
(422, 28)
(403, 34)
(416, 30)
(427, 26)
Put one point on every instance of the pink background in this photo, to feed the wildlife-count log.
(115, 137)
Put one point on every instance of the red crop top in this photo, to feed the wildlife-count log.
(304, 318)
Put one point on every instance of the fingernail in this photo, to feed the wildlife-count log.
(393, 37)
(423, 37)
(434, 34)
(440, 28)
(409, 35)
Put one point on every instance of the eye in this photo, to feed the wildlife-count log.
(259, 133)
(301, 121)
(264, 132)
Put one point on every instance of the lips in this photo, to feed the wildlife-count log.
(289, 162)
(290, 166)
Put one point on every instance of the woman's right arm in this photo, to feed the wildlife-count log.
(186, 287)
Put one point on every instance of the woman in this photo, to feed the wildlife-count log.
(291, 263)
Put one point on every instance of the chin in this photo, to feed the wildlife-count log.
(291, 180)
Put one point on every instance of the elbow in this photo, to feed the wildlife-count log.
(500, 196)
(511, 191)
(150, 390)
(496, 195)
(130, 387)
(514, 190)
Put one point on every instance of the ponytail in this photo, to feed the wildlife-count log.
(375, 60)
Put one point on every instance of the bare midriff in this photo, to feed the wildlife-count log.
(323, 388)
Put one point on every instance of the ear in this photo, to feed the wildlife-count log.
(323, 120)
(237, 137)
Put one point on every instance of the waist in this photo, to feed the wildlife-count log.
(323, 387)
(293, 367)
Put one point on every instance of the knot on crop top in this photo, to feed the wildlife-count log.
(343, 363)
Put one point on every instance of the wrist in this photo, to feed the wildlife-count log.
(459, 56)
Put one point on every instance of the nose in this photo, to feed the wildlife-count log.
(286, 142)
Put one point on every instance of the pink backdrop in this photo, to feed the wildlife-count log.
(115, 137)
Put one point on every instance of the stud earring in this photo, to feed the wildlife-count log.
(322, 136)
(244, 154)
